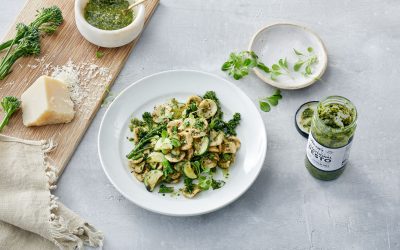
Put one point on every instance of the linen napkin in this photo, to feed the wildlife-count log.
(30, 216)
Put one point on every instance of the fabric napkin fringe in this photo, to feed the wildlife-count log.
(63, 237)
(62, 227)
(59, 229)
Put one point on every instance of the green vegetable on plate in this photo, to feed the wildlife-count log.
(183, 139)
(164, 189)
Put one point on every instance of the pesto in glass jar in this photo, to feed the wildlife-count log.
(332, 130)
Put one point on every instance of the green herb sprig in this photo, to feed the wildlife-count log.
(280, 68)
(189, 186)
(305, 59)
(273, 100)
(99, 54)
(167, 168)
(240, 64)
(165, 189)
(207, 182)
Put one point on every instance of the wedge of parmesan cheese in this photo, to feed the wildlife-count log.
(47, 101)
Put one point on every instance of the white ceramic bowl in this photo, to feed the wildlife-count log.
(158, 88)
(109, 38)
(277, 40)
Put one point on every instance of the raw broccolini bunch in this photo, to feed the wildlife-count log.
(47, 21)
(27, 39)
(28, 45)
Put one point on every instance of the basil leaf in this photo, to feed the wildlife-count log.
(275, 67)
(298, 65)
(226, 66)
(297, 52)
(273, 100)
(308, 70)
(264, 106)
(263, 67)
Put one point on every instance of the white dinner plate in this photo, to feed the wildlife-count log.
(276, 41)
(142, 96)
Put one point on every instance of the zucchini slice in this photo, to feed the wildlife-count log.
(201, 147)
(152, 179)
(188, 171)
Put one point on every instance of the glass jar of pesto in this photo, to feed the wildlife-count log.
(329, 142)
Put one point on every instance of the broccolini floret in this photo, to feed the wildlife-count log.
(10, 104)
(47, 21)
(156, 131)
(211, 95)
(229, 127)
(232, 124)
(148, 119)
(217, 122)
(135, 122)
(28, 45)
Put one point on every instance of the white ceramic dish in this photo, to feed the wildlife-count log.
(277, 41)
(141, 96)
(109, 38)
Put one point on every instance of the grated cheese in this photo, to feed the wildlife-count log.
(86, 81)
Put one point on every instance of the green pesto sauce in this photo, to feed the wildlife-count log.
(306, 118)
(336, 115)
(225, 173)
(334, 129)
(108, 14)
(337, 119)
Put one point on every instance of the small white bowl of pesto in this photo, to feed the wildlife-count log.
(109, 23)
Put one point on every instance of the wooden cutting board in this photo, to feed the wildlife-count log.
(67, 45)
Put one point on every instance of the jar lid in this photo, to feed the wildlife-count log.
(303, 117)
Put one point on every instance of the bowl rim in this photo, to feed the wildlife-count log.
(278, 84)
(139, 9)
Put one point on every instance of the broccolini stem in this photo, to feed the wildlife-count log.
(8, 62)
(6, 44)
(145, 140)
(5, 121)
(137, 152)
(8, 52)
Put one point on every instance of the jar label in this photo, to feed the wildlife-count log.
(326, 159)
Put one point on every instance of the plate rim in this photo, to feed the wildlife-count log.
(278, 84)
(263, 156)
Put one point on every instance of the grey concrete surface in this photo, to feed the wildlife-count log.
(286, 208)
